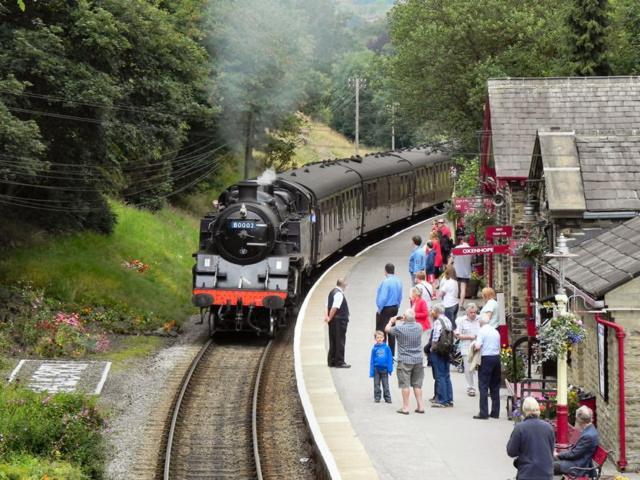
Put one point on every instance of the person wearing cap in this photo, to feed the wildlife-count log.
(337, 318)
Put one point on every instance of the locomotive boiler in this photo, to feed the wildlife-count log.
(265, 239)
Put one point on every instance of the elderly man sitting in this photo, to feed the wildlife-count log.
(580, 454)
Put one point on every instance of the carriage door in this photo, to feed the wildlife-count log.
(409, 190)
(341, 207)
(389, 196)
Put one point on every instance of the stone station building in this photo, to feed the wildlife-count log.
(564, 154)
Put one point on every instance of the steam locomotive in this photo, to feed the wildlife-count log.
(267, 237)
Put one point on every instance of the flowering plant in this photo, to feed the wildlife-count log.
(559, 334)
(506, 360)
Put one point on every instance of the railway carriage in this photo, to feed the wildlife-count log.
(264, 240)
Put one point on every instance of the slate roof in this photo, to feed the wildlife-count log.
(610, 168)
(521, 106)
(606, 261)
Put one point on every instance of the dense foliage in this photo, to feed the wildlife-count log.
(95, 98)
(62, 427)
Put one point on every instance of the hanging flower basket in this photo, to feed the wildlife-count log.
(559, 334)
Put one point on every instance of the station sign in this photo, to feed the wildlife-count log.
(504, 231)
(471, 204)
(482, 250)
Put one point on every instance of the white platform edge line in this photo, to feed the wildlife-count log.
(103, 379)
(14, 374)
(302, 388)
(396, 234)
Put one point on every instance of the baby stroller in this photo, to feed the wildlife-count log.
(455, 357)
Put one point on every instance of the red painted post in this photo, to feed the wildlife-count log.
(622, 426)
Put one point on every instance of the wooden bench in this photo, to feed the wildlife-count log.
(590, 473)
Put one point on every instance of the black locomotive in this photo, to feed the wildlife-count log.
(264, 239)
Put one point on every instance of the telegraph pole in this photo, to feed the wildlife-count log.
(358, 83)
(393, 123)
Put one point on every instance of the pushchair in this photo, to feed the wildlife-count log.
(455, 357)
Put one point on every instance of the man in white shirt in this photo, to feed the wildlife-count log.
(488, 342)
(337, 317)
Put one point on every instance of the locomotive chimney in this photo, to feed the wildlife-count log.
(268, 189)
(248, 191)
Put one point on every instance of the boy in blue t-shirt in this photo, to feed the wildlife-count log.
(381, 367)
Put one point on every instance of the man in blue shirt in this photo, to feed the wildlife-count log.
(388, 299)
(417, 259)
(488, 342)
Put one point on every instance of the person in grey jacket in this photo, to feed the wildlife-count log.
(531, 443)
(580, 454)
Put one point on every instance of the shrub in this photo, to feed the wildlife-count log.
(64, 426)
(23, 467)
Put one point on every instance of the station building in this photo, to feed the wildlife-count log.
(562, 156)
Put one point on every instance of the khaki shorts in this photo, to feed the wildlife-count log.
(410, 374)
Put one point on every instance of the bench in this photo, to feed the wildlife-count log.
(591, 473)
(542, 389)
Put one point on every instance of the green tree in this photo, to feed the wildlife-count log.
(446, 50)
(109, 91)
(588, 25)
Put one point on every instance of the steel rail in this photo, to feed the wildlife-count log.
(254, 411)
(176, 409)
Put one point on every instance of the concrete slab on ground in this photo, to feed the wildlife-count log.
(61, 375)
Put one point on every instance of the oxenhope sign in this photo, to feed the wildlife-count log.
(482, 250)
(495, 231)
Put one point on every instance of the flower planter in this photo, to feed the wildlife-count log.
(472, 288)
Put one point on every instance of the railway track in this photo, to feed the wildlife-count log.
(235, 416)
(212, 429)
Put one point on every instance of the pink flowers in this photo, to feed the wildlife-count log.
(136, 265)
(71, 319)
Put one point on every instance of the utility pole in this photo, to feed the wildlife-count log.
(393, 107)
(358, 83)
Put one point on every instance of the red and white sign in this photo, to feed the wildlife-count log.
(504, 231)
(482, 250)
(471, 204)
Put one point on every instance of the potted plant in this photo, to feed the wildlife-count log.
(559, 334)
(478, 221)
(532, 250)
(476, 283)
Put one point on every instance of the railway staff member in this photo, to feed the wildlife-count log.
(338, 318)
(388, 299)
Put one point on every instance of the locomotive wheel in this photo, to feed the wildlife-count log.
(272, 326)
(211, 322)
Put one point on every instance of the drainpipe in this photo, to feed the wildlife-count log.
(620, 334)
(531, 321)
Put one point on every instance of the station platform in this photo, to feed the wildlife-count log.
(362, 439)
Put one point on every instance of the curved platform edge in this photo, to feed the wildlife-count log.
(340, 448)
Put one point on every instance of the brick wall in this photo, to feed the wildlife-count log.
(510, 276)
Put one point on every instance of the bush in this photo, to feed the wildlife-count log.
(26, 467)
(64, 426)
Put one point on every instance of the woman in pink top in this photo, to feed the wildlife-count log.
(420, 309)
(438, 260)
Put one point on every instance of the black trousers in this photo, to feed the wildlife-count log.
(337, 339)
(489, 383)
(382, 319)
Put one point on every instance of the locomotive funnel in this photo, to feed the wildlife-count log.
(248, 191)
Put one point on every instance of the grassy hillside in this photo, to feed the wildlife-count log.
(319, 142)
(87, 269)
